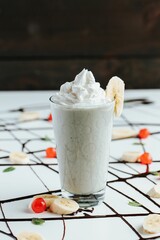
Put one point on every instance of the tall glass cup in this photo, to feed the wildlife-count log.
(83, 136)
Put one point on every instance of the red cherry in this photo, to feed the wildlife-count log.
(143, 133)
(145, 158)
(50, 117)
(51, 153)
(38, 205)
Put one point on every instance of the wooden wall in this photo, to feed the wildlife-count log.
(44, 43)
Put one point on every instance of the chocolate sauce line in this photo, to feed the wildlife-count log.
(39, 128)
(3, 157)
(126, 120)
(119, 161)
(86, 216)
(147, 171)
(37, 106)
(156, 237)
(145, 195)
(39, 178)
(133, 229)
(138, 100)
(120, 179)
(121, 217)
(39, 137)
(150, 180)
(58, 191)
(64, 228)
(136, 124)
(30, 165)
(23, 146)
(119, 170)
(147, 113)
(11, 233)
(8, 234)
(43, 164)
(33, 139)
(130, 198)
(131, 168)
(124, 138)
(44, 106)
(135, 176)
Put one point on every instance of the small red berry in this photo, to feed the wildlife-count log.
(50, 117)
(38, 205)
(51, 153)
(143, 133)
(145, 158)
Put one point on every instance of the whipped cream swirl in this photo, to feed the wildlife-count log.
(83, 90)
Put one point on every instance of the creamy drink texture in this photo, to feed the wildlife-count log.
(82, 126)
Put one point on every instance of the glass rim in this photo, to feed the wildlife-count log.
(76, 105)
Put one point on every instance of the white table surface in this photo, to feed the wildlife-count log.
(114, 219)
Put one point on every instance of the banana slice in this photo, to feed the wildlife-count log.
(29, 236)
(28, 116)
(119, 133)
(19, 158)
(131, 156)
(64, 206)
(115, 91)
(155, 191)
(151, 223)
(48, 198)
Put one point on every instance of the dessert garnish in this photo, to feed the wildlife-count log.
(134, 204)
(155, 191)
(145, 158)
(64, 206)
(46, 138)
(151, 223)
(139, 143)
(51, 153)
(115, 91)
(131, 156)
(19, 158)
(9, 169)
(50, 117)
(38, 221)
(155, 173)
(29, 236)
(28, 116)
(38, 205)
(119, 133)
(48, 198)
(143, 133)
(53, 203)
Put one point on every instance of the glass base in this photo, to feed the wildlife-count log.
(85, 201)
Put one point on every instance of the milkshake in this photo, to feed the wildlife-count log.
(82, 123)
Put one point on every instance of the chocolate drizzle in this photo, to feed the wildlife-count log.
(81, 213)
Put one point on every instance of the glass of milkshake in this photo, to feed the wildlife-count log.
(82, 123)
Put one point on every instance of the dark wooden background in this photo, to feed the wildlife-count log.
(44, 43)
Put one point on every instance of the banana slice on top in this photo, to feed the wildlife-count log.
(115, 91)
(155, 191)
(131, 156)
(28, 116)
(19, 158)
(151, 223)
(48, 198)
(29, 236)
(119, 133)
(64, 206)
